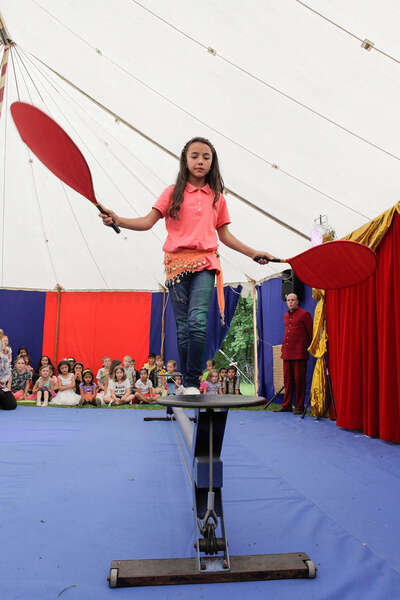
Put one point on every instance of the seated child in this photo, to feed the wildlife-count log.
(87, 389)
(77, 370)
(170, 377)
(144, 391)
(129, 370)
(232, 382)
(222, 375)
(19, 380)
(120, 387)
(150, 366)
(210, 364)
(179, 389)
(43, 386)
(101, 377)
(212, 385)
(159, 374)
(66, 386)
(54, 379)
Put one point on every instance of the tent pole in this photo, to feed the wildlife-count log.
(253, 286)
(163, 322)
(58, 289)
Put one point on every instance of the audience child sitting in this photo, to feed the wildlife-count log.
(102, 375)
(43, 386)
(179, 389)
(54, 380)
(222, 374)
(129, 370)
(232, 381)
(170, 377)
(144, 393)
(7, 400)
(19, 380)
(120, 387)
(43, 362)
(212, 385)
(159, 374)
(77, 371)
(66, 386)
(87, 389)
(6, 348)
(210, 364)
(151, 364)
(27, 360)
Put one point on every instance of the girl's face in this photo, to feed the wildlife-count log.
(178, 380)
(126, 362)
(170, 367)
(20, 365)
(26, 359)
(231, 373)
(64, 369)
(87, 378)
(44, 372)
(152, 360)
(23, 352)
(4, 341)
(214, 378)
(119, 373)
(209, 365)
(78, 369)
(223, 373)
(143, 376)
(159, 362)
(51, 370)
(198, 160)
(44, 360)
(107, 363)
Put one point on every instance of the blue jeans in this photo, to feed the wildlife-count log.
(190, 300)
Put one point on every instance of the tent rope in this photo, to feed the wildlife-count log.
(350, 33)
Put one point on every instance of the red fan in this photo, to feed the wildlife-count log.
(49, 142)
(332, 265)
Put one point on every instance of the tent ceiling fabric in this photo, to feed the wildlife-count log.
(285, 87)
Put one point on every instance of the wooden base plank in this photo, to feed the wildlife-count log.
(176, 571)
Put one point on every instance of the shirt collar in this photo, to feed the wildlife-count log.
(191, 188)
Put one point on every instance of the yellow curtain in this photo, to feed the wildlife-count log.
(371, 235)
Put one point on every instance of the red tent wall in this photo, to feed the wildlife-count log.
(97, 324)
(363, 325)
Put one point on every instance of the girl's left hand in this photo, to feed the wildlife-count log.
(261, 257)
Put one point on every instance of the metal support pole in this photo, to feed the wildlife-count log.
(185, 425)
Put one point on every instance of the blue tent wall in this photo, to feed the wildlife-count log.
(22, 319)
(270, 311)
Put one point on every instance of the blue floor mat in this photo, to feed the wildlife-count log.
(79, 488)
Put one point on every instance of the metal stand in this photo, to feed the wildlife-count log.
(273, 397)
(212, 563)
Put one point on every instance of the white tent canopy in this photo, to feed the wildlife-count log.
(305, 122)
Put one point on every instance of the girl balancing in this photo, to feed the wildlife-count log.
(195, 214)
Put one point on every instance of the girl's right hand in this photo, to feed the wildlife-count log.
(111, 218)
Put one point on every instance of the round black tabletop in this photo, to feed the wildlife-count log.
(211, 401)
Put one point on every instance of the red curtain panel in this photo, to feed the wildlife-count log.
(97, 324)
(363, 325)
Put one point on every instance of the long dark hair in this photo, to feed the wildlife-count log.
(213, 177)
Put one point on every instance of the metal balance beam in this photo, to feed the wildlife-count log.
(212, 563)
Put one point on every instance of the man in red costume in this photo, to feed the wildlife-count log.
(297, 338)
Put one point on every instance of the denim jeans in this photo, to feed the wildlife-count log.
(190, 300)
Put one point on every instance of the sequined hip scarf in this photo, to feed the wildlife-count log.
(181, 263)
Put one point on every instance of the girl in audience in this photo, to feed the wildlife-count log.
(66, 386)
(179, 389)
(77, 371)
(6, 348)
(27, 360)
(7, 400)
(43, 362)
(102, 373)
(54, 380)
(43, 386)
(222, 375)
(129, 370)
(160, 373)
(120, 387)
(212, 385)
(210, 364)
(144, 389)
(232, 381)
(22, 351)
(87, 389)
(20, 380)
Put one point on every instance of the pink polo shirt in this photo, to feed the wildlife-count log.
(197, 222)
